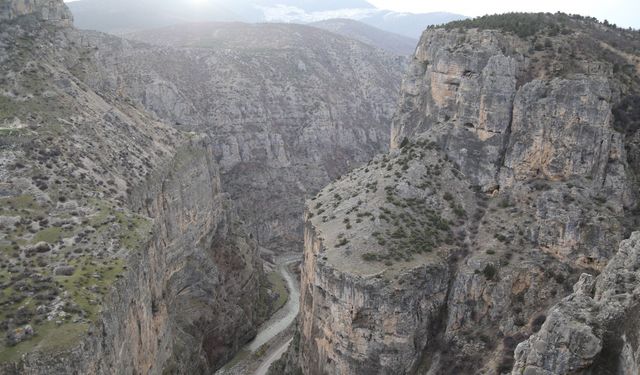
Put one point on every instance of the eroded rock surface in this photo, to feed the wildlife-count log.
(52, 11)
(594, 329)
(289, 107)
(121, 253)
(520, 153)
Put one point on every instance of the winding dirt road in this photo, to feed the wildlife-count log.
(264, 367)
(267, 340)
(287, 314)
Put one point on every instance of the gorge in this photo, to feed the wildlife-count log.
(469, 209)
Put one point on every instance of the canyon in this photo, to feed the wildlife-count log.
(131, 229)
(471, 208)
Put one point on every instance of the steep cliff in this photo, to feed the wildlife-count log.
(376, 268)
(120, 253)
(289, 108)
(594, 330)
(50, 11)
(512, 172)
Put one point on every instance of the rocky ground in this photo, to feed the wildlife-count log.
(69, 161)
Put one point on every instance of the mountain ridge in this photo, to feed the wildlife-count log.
(121, 17)
(391, 42)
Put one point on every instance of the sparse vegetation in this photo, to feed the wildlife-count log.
(342, 242)
(490, 272)
(278, 285)
(526, 24)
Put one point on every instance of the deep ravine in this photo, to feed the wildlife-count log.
(274, 336)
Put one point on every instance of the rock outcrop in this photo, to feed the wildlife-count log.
(376, 269)
(51, 11)
(512, 170)
(594, 330)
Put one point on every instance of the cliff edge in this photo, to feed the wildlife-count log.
(513, 171)
(50, 11)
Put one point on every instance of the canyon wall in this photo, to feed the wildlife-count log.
(594, 330)
(289, 108)
(509, 177)
(121, 253)
(50, 11)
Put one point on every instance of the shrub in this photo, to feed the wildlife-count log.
(459, 211)
(369, 257)
(342, 242)
(490, 272)
(501, 237)
(522, 24)
(537, 322)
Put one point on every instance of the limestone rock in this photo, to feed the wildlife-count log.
(284, 122)
(529, 166)
(462, 93)
(375, 277)
(52, 11)
(587, 334)
(130, 205)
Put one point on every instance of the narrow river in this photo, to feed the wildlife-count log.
(246, 362)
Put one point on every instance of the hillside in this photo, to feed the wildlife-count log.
(121, 17)
(96, 264)
(410, 25)
(390, 42)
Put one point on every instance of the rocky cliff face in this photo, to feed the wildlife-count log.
(594, 330)
(510, 177)
(376, 269)
(120, 251)
(51, 11)
(289, 108)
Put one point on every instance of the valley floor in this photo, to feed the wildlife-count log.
(274, 336)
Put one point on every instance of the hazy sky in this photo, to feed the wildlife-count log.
(622, 12)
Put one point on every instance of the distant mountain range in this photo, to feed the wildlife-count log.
(124, 16)
(388, 41)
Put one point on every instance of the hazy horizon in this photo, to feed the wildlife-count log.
(623, 13)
